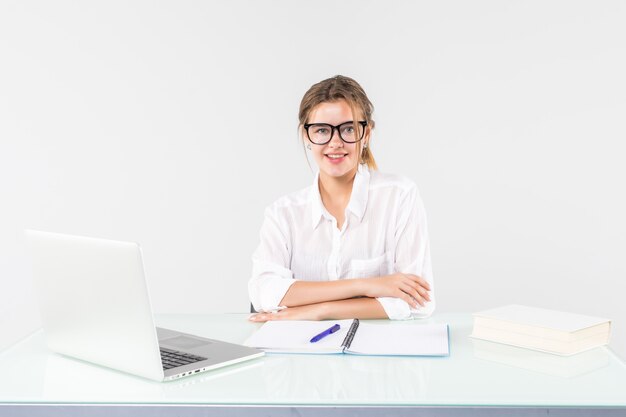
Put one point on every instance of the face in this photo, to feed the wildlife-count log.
(335, 159)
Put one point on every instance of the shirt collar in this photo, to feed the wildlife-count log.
(358, 197)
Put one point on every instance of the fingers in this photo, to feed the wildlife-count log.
(263, 317)
(409, 299)
(423, 293)
(419, 284)
(408, 292)
(411, 296)
(260, 317)
(419, 280)
(417, 293)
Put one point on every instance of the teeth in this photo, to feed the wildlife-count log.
(335, 156)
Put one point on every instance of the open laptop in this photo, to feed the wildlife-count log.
(95, 306)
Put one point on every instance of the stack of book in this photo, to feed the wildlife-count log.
(540, 329)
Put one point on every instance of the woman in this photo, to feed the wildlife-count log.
(355, 243)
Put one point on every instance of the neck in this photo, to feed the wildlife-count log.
(336, 190)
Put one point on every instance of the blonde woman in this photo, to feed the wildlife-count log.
(354, 244)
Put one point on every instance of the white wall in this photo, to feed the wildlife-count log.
(174, 124)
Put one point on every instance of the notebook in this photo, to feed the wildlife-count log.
(541, 329)
(353, 337)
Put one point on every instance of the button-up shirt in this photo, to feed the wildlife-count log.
(384, 232)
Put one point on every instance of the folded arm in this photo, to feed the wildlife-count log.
(410, 288)
(349, 298)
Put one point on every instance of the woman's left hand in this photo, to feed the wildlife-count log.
(308, 312)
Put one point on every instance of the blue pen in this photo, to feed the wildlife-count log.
(325, 333)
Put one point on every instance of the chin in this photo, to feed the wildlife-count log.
(338, 171)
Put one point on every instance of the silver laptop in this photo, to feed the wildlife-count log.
(95, 306)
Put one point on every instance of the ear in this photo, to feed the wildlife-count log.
(302, 134)
(366, 138)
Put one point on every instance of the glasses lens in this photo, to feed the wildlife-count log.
(320, 133)
(348, 132)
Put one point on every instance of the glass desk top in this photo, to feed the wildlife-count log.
(477, 373)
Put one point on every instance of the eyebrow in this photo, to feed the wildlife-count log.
(330, 124)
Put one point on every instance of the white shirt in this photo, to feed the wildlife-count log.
(384, 232)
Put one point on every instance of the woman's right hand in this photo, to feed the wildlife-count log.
(410, 288)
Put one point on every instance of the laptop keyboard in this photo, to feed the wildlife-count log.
(173, 358)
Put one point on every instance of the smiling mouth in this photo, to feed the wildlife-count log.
(336, 156)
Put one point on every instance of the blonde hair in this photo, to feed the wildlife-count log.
(338, 88)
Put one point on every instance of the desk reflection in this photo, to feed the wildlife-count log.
(344, 377)
(273, 378)
(86, 382)
(67, 377)
(542, 362)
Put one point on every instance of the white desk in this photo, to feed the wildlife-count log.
(479, 378)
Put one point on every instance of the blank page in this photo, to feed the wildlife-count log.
(408, 339)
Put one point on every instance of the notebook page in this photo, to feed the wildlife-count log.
(293, 336)
(408, 339)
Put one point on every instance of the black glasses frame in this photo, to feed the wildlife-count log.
(332, 131)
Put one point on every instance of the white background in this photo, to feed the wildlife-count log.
(173, 124)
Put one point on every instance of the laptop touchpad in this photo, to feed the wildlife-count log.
(185, 342)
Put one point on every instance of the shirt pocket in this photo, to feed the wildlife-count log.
(373, 267)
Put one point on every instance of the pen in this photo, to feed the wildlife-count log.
(325, 333)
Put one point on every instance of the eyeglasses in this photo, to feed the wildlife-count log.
(322, 133)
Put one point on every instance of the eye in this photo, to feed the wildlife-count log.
(320, 130)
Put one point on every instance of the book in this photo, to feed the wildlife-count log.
(541, 329)
(353, 337)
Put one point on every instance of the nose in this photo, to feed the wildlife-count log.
(335, 140)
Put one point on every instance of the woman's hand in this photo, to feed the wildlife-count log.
(407, 287)
(307, 312)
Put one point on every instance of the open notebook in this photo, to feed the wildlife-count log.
(354, 337)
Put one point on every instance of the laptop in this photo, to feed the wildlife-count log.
(95, 307)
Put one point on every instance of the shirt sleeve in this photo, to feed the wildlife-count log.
(271, 276)
(412, 256)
